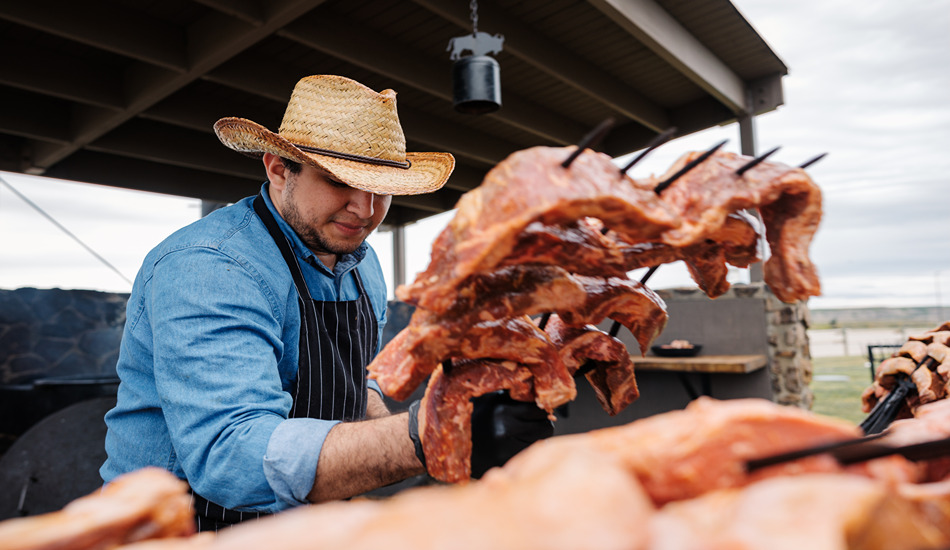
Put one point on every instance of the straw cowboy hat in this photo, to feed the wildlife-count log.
(348, 130)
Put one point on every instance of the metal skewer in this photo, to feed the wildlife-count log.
(660, 139)
(755, 162)
(861, 449)
(689, 166)
(808, 163)
(590, 140)
(887, 409)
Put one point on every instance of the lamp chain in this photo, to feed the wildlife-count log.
(474, 7)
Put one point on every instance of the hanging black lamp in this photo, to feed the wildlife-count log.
(476, 78)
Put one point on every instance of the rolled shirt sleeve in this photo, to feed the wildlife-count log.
(218, 350)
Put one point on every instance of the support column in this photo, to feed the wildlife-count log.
(747, 147)
(399, 255)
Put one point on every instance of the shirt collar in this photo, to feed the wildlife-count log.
(344, 263)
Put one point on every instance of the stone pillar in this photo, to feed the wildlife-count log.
(789, 353)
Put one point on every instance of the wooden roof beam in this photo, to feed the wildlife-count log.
(556, 60)
(398, 62)
(646, 21)
(211, 41)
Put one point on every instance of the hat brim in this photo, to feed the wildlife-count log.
(427, 172)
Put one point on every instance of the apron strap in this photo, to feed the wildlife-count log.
(283, 244)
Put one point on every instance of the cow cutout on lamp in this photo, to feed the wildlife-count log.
(479, 43)
(476, 78)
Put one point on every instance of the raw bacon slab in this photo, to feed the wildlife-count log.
(705, 446)
(831, 512)
(419, 348)
(612, 373)
(496, 328)
(146, 504)
(531, 186)
(789, 201)
(445, 415)
(570, 501)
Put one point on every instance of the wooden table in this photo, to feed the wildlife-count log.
(704, 365)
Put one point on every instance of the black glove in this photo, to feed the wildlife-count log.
(503, 427)
(414, 431)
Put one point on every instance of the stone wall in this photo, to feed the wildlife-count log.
(57, 348)
(56, 333)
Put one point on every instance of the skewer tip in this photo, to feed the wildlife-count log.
(590, 140)
(756, 161)
(658, 140)
(808, 163)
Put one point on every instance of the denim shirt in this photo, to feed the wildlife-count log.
(208, 356)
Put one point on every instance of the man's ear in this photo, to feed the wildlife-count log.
(276, 172)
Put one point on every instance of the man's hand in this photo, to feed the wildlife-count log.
(503, 427)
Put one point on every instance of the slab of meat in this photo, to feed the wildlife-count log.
(419, 348)
(445, 414)
(789, 201)
(496, 328)
(815, 511)
(146, 504)
(891, 367)
(925, 358)
(580, 247)
(531, 186)
(705, 446)
(573, 500)
(585, 491)
(931, 422)
(610, 369)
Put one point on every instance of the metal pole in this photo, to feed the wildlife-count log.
(399, 255)
(747, 147)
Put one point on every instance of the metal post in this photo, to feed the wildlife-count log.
(747, 145)
(399, 255)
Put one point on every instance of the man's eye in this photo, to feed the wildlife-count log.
(339, 184)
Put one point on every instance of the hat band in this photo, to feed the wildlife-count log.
(357, 158)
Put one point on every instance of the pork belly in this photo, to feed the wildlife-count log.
(815, 511)
(419, 348)
(606, 360)
(146, 504)
(789, 201)
(531, 186)
(445, 414)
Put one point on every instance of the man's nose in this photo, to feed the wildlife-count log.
(361, 203)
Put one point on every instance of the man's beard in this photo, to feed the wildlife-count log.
(315, 241)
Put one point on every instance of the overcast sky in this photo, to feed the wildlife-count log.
(869, 83)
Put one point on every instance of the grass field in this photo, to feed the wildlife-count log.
(837, 385)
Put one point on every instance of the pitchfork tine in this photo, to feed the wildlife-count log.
(692, 164)
(755, 162)
(590, 140)
(658, 140)
(808, 163)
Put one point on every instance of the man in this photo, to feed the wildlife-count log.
(248, 332)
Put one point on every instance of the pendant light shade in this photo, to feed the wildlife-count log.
(476, 85)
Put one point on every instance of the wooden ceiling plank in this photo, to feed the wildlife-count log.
(44, 72)
(149, 85)
(104, 26)
(248, 11)
(366, 49)
(34, 117)
(112, 170)
(554, 59)
(157, 142)
(646, 21)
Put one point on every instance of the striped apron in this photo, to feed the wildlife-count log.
(337, 342)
